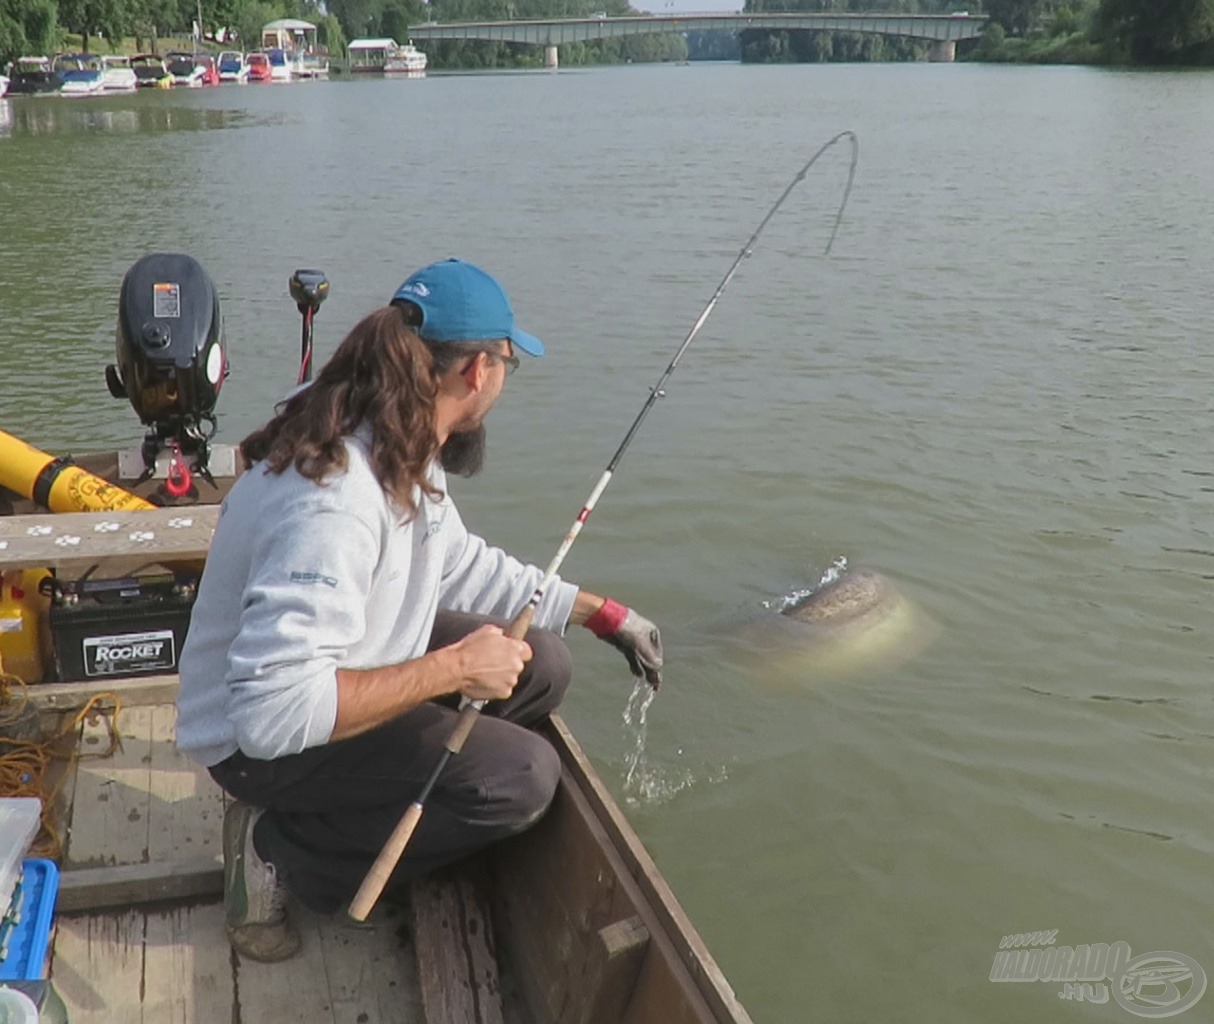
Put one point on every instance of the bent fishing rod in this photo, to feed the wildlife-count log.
(377, 877)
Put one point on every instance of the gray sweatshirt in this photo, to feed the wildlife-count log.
(304, 579)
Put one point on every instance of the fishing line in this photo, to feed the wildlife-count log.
(658, 390)
(364, 900)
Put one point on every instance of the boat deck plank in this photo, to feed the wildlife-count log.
(146, 806)
(109, 823)
(195, 983)
(185, 815)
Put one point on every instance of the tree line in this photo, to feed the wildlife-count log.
(1056, 31)
(41, 26)
(1090, 31)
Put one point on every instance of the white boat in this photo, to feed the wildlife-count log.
(3, 84)
(314, 65)
(282, 67)
(81, 74)
(117, 74)
(233, 67)
(294, 52)
(186, 71)
(151, 72)
(386, 56)
(408, 59)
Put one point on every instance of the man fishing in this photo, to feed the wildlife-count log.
(345, 610)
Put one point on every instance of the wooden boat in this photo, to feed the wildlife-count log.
(569, 923)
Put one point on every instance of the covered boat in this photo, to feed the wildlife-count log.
(81, 74)
(117, 74)
(233, 67)
(151, 71)
(34, 75)
(386, 56)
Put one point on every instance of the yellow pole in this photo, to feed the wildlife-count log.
(58, 485)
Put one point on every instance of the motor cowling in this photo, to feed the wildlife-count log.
(170, 345)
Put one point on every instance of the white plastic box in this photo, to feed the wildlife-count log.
(19, 818)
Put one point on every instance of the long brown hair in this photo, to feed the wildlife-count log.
(384, 375)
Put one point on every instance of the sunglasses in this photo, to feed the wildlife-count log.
(511, 362)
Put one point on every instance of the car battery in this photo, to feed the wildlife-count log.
(106, 628)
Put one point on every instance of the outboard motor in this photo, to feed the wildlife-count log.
(171, 359)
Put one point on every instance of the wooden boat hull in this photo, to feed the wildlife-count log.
(593, 931)
(582, 919)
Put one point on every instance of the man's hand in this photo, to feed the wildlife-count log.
(490, 663)
(634, 635)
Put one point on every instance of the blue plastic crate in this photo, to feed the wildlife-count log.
(25, 958)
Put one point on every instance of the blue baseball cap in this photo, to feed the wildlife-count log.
(460, 302)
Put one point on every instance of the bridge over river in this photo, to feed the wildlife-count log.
(941, 30)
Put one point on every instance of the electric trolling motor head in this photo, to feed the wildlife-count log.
(309, 288)
(171, 358)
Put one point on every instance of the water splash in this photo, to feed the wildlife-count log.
(635, 727)
(836, 569)
(646, 783)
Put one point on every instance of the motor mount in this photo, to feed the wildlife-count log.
(171, 356)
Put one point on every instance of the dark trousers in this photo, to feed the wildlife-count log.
(331, 808)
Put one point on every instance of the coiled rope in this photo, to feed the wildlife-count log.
(24, 763)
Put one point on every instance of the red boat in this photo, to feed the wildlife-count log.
(210, 68)
(259, 67)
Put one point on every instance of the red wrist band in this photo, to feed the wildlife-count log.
(607, 620)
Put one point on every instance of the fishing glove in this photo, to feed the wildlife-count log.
(633, 634)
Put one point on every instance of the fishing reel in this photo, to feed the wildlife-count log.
(171, 361)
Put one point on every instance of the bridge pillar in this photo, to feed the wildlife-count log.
(550, 57)
(943, 51)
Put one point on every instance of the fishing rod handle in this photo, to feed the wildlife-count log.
(522, 622)
(469, 712)
(375, 880)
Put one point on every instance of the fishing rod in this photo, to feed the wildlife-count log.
(392, 851)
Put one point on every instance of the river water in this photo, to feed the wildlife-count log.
(995, 390)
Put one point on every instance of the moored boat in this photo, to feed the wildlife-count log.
(4, 80)
(192, 70)
(259, 67)
(32, 75)
(151, 72)
(314, 65)
(117, 74)
(81, 74)
(210, 68)
(386, 56)
(282, 64)
(233, 67)
(407, 59)
(294, 50)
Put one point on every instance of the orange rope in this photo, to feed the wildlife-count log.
(23, 764)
